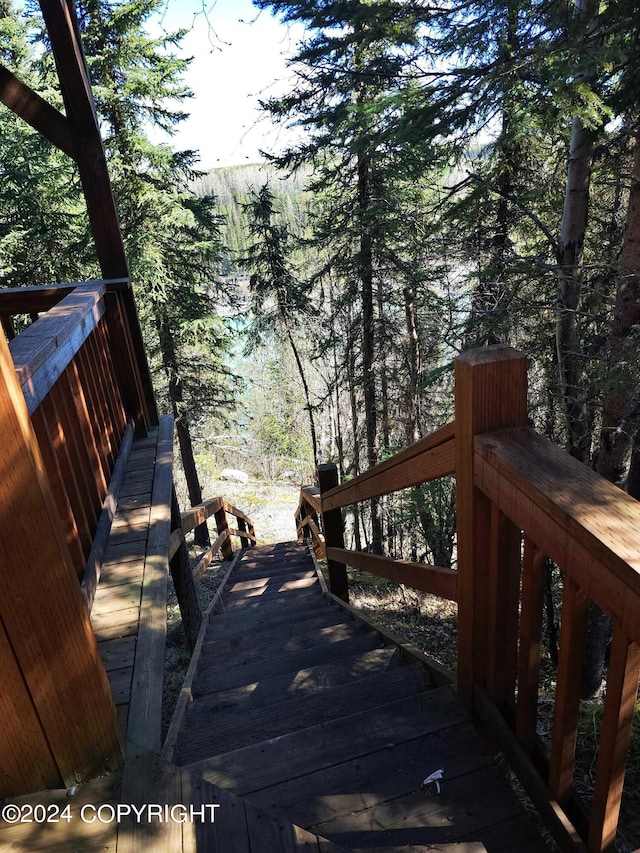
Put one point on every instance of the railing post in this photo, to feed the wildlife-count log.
(184, 583)
(491, 394)
(222, 526)
(333, 533)
(245, 542)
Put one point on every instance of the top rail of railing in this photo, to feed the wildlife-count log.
(521, 502)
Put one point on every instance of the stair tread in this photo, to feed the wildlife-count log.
(326, 628)
(296, 682)
(225, 732)
(215, 669)
(322, 745)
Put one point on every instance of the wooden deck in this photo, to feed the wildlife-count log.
(298, 728)
(299, 709)
(129, 609)
(129, 619)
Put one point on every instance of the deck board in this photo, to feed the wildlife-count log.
(288, 712)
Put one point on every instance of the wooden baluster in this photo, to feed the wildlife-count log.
(68, 423)
(67, 468)
(88, 382)
(222, 526)
(573, 628)
(59, 490)
(135, 389)
(115, 408)
(531, 615)
(242, 527)
(333, 533)
(620, 702)
(503, 600)
(491, 394)
(105, 424)
(84, 418)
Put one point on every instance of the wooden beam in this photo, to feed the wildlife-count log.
(429, 459)
(144, 726)
(432, 579)
(198, 514)
(33, 109)
(43, 352)
(491, 393)
(333, 528)
(84, 130)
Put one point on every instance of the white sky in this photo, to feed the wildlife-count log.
(239, 56)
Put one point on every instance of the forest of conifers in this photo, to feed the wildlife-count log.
(461, 174)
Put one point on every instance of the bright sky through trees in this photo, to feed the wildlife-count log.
(238, 57)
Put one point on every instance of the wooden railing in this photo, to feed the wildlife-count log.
(77, 366)
(74, 387)
(197, 515)
(520, 501)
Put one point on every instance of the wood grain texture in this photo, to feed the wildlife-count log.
(43, 612)
(432, 457)
(432, 579)
(490, 393)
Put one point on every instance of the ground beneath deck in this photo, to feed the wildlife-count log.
(306, 714)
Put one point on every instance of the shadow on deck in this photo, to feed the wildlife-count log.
(307, 713)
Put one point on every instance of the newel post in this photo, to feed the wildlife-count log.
(333, 529)
(490, 394)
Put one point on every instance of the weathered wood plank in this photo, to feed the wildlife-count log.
(466, 805)
(42, 353)
(65, 836)
(148, 779)
(433, 579)
(491, 393)
(145, 713)
(234, 732)
(324, 745)
(430, 458)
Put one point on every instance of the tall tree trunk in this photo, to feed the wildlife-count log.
(368, 338)
(172, 370)
(351, 376)
(621, 406)
(571, 357)
(413, 396)
(307, 397)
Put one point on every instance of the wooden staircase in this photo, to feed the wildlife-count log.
(310, 715)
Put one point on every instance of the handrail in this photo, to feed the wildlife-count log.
(430, 458)
(520, 501)
(197, 515)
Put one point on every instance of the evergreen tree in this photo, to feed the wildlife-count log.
(171, 236)
(44, 233)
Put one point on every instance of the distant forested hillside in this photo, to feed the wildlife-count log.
(232, 187)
